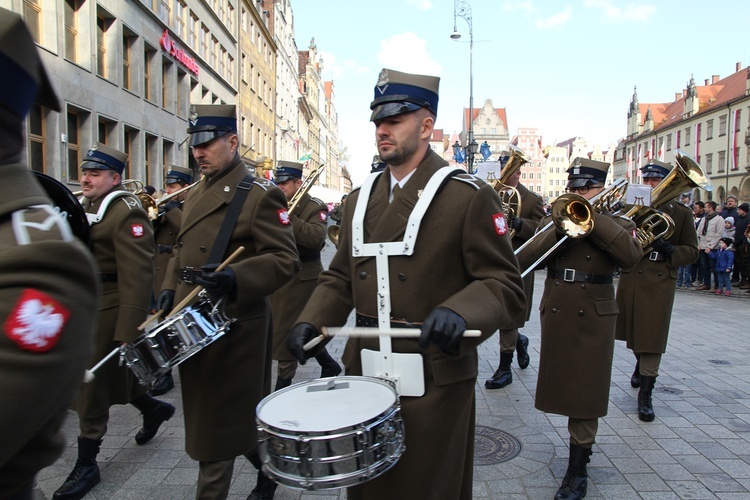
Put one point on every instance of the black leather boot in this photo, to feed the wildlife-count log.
(576, 481)
(330, 368)
(635, 378)
(503, 376)
(155, 413)
(264, 489)
(282, 382)
(162, 385)
(645, 405)
(522, 351)
(85, 474)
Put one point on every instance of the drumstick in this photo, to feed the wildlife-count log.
(198, 288)
(362, 331)
(154, 316)
(88, 375)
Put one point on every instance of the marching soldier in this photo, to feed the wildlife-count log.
(48, 285)
(462, 274)
(645, 293)
(309, 222)
(123, 244)
(578, 316)
(223, 384)
(165, 235)
(524, 224)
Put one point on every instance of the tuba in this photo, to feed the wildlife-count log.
(651, 222)
(509, 195)
(333, 234)
(304, 188)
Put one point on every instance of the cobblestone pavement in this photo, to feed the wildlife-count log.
(698, 447)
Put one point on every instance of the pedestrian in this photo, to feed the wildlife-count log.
(524, 225)
(724, 263)
(48, 282)
(710, 230)
(730, 207)
(461, 273)
(166, 227)
(696, 278)
(123, 244)
(742, 263)
(309, 221)
(223, 383)
(578, 318)
(645, 293)
(728, 228)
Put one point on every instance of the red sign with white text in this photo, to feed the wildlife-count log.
(173, 50)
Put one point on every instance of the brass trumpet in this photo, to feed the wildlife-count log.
(509, 195)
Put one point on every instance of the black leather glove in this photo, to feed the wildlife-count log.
(663, 246)
(298, 336)
(444, 328)
(218, 284)
(165, 301)
(516, 223)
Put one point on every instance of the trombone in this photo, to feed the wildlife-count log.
(305, 187)
(573, 215)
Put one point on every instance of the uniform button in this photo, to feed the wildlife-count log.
(554, 309)
(588, 257)
(557, 283)
(583, 286)
(580, 313)
(640, 271)
(401, 277)
(661, 274)
(203, 249)
(362, 275)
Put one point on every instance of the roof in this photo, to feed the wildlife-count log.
(501, 113)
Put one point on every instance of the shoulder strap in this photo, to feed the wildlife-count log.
(230, 220)
(99, 215)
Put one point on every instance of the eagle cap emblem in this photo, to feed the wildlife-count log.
(383, 80)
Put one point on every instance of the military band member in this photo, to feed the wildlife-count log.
(645, 293)
(524, 224)
(309, 222)
(462, 274)
(48, 283)
(122, 242)
(578, 317)
(165, 235)
(223, 383)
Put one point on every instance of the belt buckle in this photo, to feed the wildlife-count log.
(569, 275)
(653, 256)
(188, 274)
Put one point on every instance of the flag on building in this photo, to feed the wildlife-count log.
(638, 158)
(662, 148)
(697, 141)
(629, 164)
(735, 127)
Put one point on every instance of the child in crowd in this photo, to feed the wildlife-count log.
(729, 228)
(724, 264)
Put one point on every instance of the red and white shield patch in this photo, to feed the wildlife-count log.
(500, 225)
(36, 322)
(323, 216)
(137, 230)
(283, 216)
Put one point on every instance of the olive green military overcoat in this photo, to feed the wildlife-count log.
(645, 293)
(223, 383)
(165, 236)
(463, 260)
(48, 302)
(287, 302)
(578, 319)
(532, 211)
(123, 246)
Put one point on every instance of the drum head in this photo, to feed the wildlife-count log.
(67, 204)
(327, 404)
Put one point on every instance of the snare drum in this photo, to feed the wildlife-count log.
(330, 433)
(174, 340)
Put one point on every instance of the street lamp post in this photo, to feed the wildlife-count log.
(462, 9)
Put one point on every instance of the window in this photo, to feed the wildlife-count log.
(722, 161)
(167, 84)
(195, 29)
(180, 12)
(106, 130)
(165, 11)
(687, 136)
(149, 157)
(722, 125)
(128, 42)
(130, 149)
(167, 148)
(36, 137)
(104, 59)
(709, 162)
(204, 42)
(709, 129)
(71, 29)
(181, 96)
(669, 142)
(32, 14)
(74, 146)
(149, 83)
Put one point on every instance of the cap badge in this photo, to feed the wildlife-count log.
(383, 81)
(193, 116)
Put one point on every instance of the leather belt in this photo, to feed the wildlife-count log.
(309, 258)
(571, 276)
(189, 274)
(108, 277)
(369, 321)
(656, 257)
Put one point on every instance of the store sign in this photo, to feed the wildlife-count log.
(179, 54)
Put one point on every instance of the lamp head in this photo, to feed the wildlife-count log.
(455, 35)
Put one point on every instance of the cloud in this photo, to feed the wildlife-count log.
(631, 12)
(524, 6)
(555, 20)
(408, 52)
(421, 4)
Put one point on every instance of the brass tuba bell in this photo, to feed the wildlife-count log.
(509, 195)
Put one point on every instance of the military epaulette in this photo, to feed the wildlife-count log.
(318, 201)
(262, 183)
(470, 179)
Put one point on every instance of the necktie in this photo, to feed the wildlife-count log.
(396, 190)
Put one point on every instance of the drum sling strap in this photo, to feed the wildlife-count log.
(230, 220)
